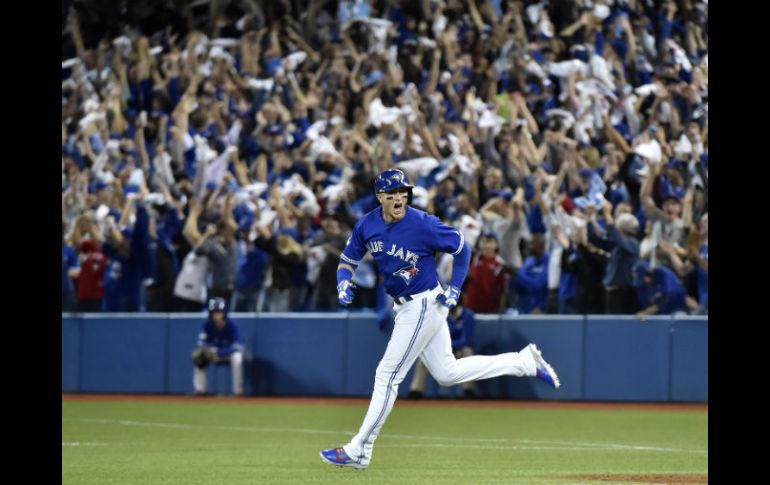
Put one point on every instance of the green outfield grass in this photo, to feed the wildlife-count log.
(209, 442)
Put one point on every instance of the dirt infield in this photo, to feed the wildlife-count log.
(689, 479)
(363, 401)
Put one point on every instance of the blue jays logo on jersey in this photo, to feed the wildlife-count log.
(407, 273)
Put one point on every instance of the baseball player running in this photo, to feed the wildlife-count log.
(404, 242)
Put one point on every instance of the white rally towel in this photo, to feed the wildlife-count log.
(489, 119)
(380, 114)
(650, 150)
(418, 166)
(566, 68)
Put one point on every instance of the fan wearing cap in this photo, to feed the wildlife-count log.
(659, 289)
(487, 277)
(219, 342)
(531, 281)
(669, 217)
(446, 195)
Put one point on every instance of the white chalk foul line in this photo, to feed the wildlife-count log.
(494, 447)
(614, 446)
(442, 438)
(252, 429)
(527, 444)
(607, 447)
(248, 429)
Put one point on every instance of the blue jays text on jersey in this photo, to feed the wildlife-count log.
(403, 250)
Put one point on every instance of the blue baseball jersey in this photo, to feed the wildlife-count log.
(227, 340)
(404, 251)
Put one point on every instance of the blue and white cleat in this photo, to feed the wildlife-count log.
(338, 457)
(544, 369)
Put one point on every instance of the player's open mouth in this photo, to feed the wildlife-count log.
(398, 207)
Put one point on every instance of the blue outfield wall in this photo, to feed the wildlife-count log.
(598, 357)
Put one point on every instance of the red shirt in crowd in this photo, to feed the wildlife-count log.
(92, 268)
(486, 284)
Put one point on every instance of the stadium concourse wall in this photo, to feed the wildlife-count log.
(598, 357)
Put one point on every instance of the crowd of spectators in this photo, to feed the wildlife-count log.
(226, 149)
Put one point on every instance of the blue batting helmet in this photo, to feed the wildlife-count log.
(217, 305)
(391, 180)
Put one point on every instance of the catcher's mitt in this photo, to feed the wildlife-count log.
(204, 356)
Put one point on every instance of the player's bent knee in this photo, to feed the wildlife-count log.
(447, 379)
(444, 382)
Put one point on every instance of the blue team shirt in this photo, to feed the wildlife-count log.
(251, 269)
(124, 275)
(666, 291)
(227, 340)
(404, 251)
(69, 259)
(531, 282)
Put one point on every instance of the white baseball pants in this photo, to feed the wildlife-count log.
(200, 381)
(421, 330)
(420, 377)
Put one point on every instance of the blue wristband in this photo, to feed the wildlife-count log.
(343, 274)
